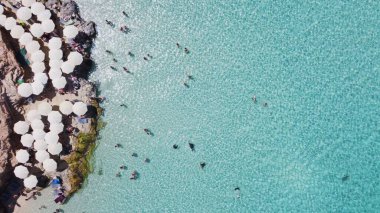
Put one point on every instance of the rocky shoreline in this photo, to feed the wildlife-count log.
(75, 164)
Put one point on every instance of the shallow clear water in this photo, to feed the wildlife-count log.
(316, 64)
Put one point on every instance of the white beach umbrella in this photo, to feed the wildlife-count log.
(66, 107)
(3, 18)
(56, 128)
(30, 182)
(37, 87)
(55, 73)
(21, 172)
(38, 67)
(67, 67)
(41, 77)
(25, 90)
(24, 13)
(55, 54)
(44, 15)
(55, 43)
(44, 108)
(25, 38)
(38, 56)
(36, 30)
(42, 155)
(9, 23)
(27, 3)
(37, 124)
(32, 47)
(51, 138)
(1, 9)
(32, 114)
(55, 148)
(27, 140)
(22, 156)
(37, 8)
(54, 117)
(79, 108)
(48, 26)
(21, 127)
(70, 31)
(38, 134)
(55, 64)
(75, 58)
(40, 145)
(49, 165)
(59, 83)
(17, 31)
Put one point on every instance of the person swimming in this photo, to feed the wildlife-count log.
(123, 105)
(186, 85)
(202, 164)
(190, 77)
(145, 58)
(192, 147)
(123, 167)
(134, 175)
(114, 59)
(178, 46)
(254, 99)
(147, 160)
(175, 146)
(118, 174)
(134, 155)
(148, 132)
(237, 191)
(109, 52)
(110, 23)
(187, 51)
(126, 70)
(265, 104)
(125, 14)
(131, 54)
(150, 56)
(118, 145)
(113, 68)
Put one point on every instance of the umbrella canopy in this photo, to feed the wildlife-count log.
(40, 145)
(56, 128)
(32, 47)
(55, 64)
(37, 87)
(59, 83)
(38, 56)
(55, 73)
(9, 23)
(80, 108)
(54, 117)
(27, 3)
(38, 67)
(55, 43)
(2, 20)
(55, 54)
(24, 13)
(44, 15)
(75, 58)
(27, 140)
(51, 138)
(44, 108)
(38, 134)
(21, 127)
(21, 172)
(49, 165)
(41, 77)
(42, 155)
(25, 38)
(17, 31)
(25, 90)
(33, 114)
(67, 67)
(22, 156)
(37, 124)
(66, 107)
(36, 30)
(37, 8)
(48, 26)
(55, 148)
(70, 31)
(30, 182)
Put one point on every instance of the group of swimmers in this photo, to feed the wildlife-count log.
(254, 99)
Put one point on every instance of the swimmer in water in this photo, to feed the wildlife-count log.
(113, 68)
(186, 85)
(192, 147)
(175, 146)
(237, 191)
(202, 164)
(254, 99)
(108, 51)
(125, 14)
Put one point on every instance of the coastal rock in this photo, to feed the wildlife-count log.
(52, 5)
(68, 9)
(88, 28)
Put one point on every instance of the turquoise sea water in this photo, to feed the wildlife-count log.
(316, 64)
